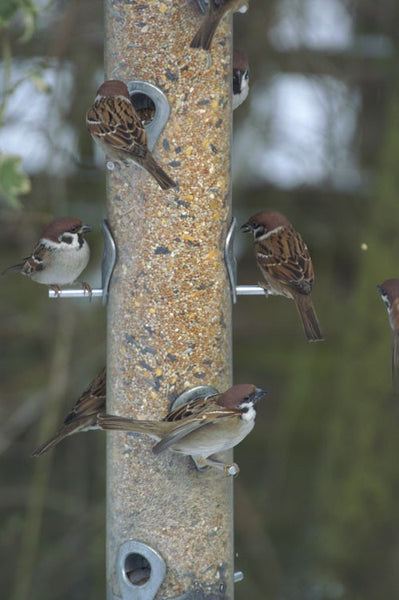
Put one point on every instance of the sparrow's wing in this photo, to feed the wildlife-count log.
(82, 417)
(198, 414)
(286, 258)
(177, 434)
(191, 409)
(114, 121)
(91, 401)
(37, 261)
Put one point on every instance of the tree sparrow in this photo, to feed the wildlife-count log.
(217, 9)
(201, 427)
(83, 416)
(60, 256)
(285, 262)
(240, 78)
(118, 130)
(389, 291)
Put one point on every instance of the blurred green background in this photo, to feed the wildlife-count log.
(316, 501)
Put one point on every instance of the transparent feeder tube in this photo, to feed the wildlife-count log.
(169, 308)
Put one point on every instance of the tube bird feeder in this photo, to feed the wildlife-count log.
(169, 526)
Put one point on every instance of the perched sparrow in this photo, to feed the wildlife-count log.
(217, 9)
(389, 291)
(285, 262)
(240, 78)
(60, 256)
(83, 416)
(116, 127)
(201, 427)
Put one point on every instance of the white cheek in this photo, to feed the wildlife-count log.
(249, 415)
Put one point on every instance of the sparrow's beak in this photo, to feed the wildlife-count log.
(246, 228)
(258, 395)
(379, 288)
(84, 229)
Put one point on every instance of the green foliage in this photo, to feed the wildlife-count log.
(13, 181)
(26, 10)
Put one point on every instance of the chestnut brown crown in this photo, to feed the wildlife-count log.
(61, 225)
(113, 87)
(237, 394)
(389, 288)
(240, 60)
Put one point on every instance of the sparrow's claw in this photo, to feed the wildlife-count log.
(56, 289)
(263, 285)
(87, 289)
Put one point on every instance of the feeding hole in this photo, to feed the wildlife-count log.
(137, 569)
(144, 106)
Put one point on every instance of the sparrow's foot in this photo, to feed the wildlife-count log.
(87, 289)
(202, 463)
(263, 285)
(56, 289)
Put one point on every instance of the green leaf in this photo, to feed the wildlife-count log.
(25, 10)
(13, 181)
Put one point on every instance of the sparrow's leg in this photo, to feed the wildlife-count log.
(263, 285)
(56, 289)
(203, 463)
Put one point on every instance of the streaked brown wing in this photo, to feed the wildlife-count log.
(38, 260)
(186, 410)
(286, 258)
(91, 401)
(193, 424)
(177, 434)
(115, 121)
(196, 407)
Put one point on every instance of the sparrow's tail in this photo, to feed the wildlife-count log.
(51, 442)
(163, 179)
(154, 428)
(204, 36)
(395, 360)
(75, 426)
(309, 318)
(13, 269)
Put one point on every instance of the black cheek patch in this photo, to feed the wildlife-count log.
(66, 239)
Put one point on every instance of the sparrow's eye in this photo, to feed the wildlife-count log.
(74, 229)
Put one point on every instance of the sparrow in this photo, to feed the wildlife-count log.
(240, 78)
(83, 415)
(59, 257)
(285, 263)
(389, 291)
(200, 428)
(217, 9)
(116, 127)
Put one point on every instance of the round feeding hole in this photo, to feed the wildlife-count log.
(144, 107)
(137, 569)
